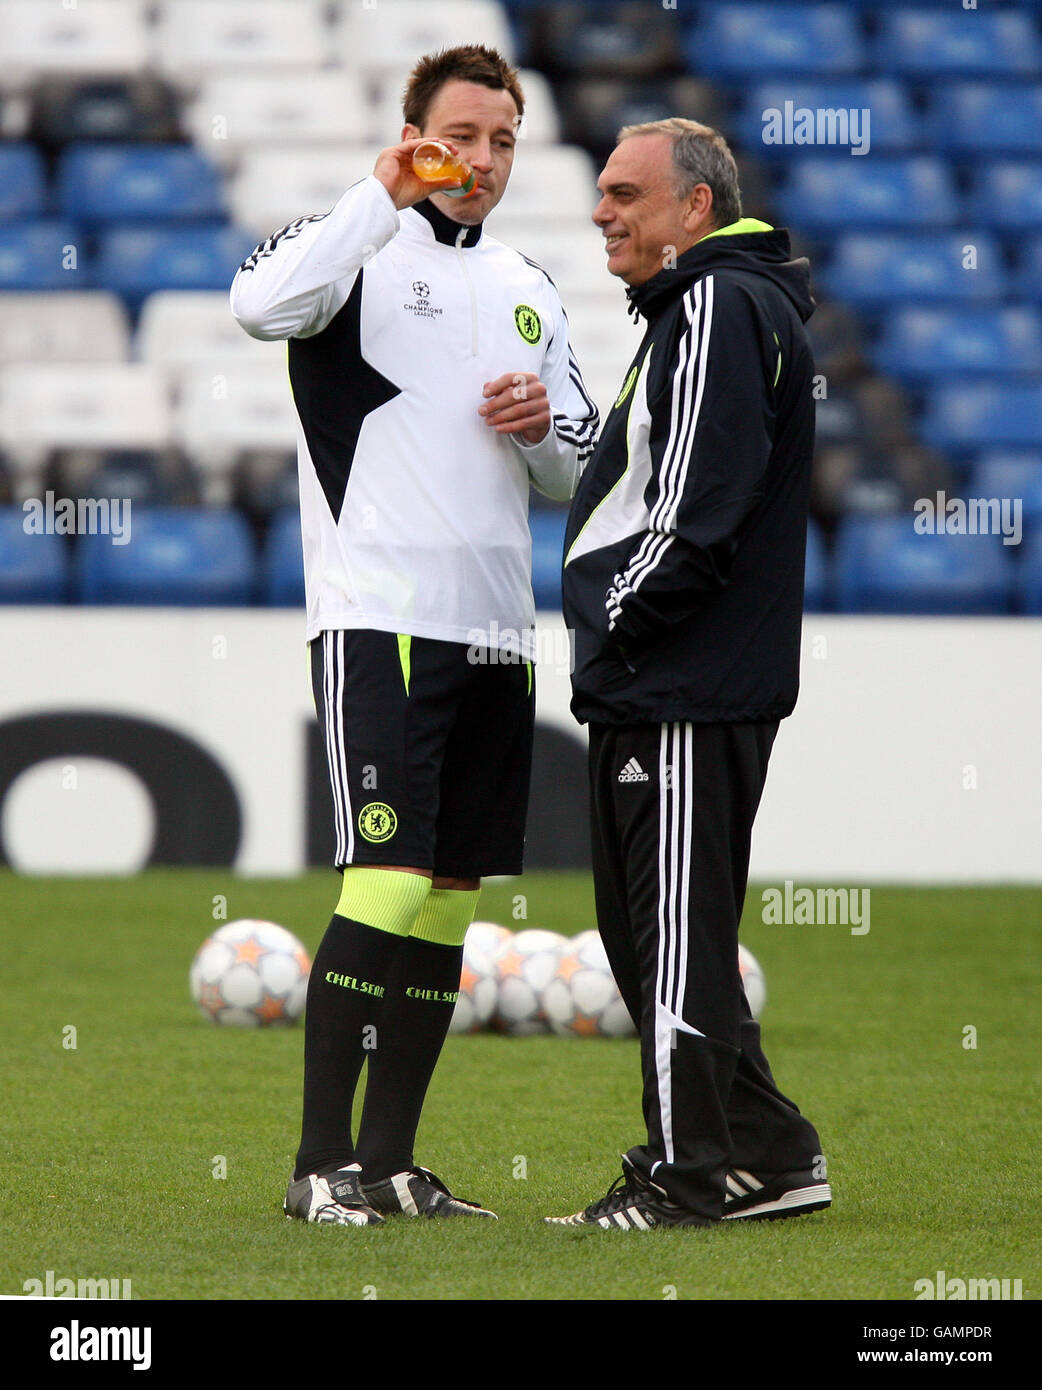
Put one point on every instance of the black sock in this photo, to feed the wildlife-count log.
(341, 1026)
(417, 1011)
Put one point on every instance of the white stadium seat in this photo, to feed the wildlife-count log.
(99, 38)
(183, 328)
(235, 112)
(600, 327)
(224, 412)
(387, 38)
(63, 326)
(45, 406)
(571, 253)
(272, 187)
(194, 37)
(549, 183)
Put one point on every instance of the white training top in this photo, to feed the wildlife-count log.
(413, 510)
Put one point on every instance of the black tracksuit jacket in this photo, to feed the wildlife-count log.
(684, 553)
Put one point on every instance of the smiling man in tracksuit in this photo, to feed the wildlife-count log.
(683, 582)
(432, 375)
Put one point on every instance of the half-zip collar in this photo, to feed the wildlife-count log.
(445, 229)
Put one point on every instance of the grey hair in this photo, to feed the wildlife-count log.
(700, 155)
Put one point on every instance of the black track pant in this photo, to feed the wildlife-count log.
(672, 814)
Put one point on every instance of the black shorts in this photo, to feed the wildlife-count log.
(429, 751)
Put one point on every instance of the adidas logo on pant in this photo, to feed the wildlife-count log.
(633, 772)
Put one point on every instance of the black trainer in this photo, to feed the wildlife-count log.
(417, 1192)
(774, 1195)
(633, 1202)
(332, 1198)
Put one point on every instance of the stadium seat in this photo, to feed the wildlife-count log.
(1027, 278)
(175, 557)
(547, 526)
(880, 271)
(219, 415)
(984, 117)
(302, 108)
(892, 124)
(23, 181)
(107, 184)
(632, 40)
(1011, 475)
(84, 326)
(45, 255)
(34, 568)
(932, 44)
(921, 344)
(91, 109)
(1029, 576)
(382, 37)
(883, 566)
(271, 187)
(193, 37)
(135, 262)
(823, 193)
(282, 565)
(558, 177)
(1007, 196)
(104, 37)
(45, 406)
(968, 417)
(594, 109)
(178, 329)
(742, 40)
(816, 580)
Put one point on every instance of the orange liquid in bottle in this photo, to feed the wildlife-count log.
(432, 160)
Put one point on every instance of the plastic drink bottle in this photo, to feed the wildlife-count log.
(432, 160)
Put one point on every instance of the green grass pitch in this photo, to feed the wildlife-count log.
(914, 1048)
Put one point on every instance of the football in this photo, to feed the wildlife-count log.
(250, 974)
(583, 1000)
(753, 980)
(524, 967)
(478, 986)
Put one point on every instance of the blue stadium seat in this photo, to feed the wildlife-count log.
(1014, 476)
(135, 261)
(283, 561)
(1007, 195)
(920, 344)
(893, 125)
(1027, 278)
(547, 527)
(740, 40)
(33, 568)
(817, 582)
(874, 272)
(971, 43)
(100, 184)
(883, 566)
(823, 193)
(966, 417)
(23, 181)
(177, 558)
(984, 117)
(1029, 576)
(45, 255)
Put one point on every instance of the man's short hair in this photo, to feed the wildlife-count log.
(471, 62)
(700, 155)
